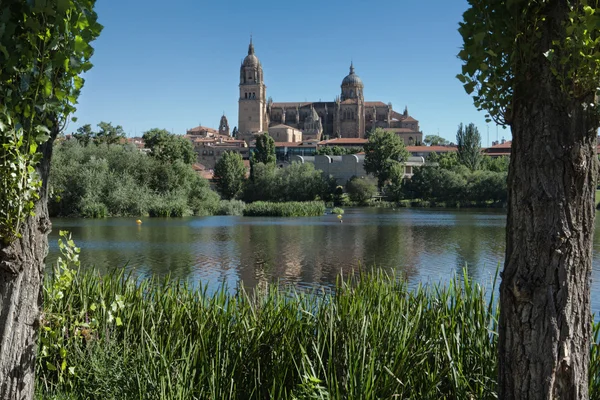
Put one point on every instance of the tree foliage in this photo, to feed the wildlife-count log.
(296, 182)
(361, 190)
(383, 150)
(44, 49)
(337, 150)
(230, 174)
(107, 134)
(468, 142)
(435, 140)
(169, 147)
(119, 180)
(264, 151)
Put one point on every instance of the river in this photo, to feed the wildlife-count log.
(424, 245)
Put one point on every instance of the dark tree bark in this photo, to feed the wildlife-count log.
(545, 317)
(21, 278)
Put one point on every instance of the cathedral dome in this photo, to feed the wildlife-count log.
(352, 79)
(251, 60)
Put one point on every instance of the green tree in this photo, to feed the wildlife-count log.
(300, 182)
(383, 150)
(495, 164)
(533, 65)
(264, 151)
(435, 140)
(230, 174)
(44, 48)
(337, 150)
(84, 134)
(109, 134)
(468, 141)
(169, 147)
(361, 190)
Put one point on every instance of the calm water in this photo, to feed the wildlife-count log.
(425, 245)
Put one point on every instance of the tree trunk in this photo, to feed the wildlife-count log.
(545, 317)
(21, 278)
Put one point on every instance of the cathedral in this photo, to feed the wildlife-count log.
(348, 116)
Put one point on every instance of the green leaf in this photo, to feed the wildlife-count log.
(62, 5)
(80, 44)
(469, 87)
(47, 88)
(478, 37)
(119, 322)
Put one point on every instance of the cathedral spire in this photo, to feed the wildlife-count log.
(250, 47)
(351, 67)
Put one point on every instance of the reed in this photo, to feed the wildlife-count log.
(285, 209)
(113, 337)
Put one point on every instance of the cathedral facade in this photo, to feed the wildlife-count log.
(348, 116)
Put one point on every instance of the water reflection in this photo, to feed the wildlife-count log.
(423, 245)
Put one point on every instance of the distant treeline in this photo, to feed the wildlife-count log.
(447, 180)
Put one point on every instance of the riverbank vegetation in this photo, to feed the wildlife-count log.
(91, 178)
(115, 337)
(119, 180)
(285, 209)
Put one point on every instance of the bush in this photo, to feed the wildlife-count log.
(288, 209)
(231, 207)
(125, 181)
(296, 182)
(361, 190)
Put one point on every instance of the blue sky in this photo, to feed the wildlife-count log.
(175, 65)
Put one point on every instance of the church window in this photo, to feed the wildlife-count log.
(245, 95)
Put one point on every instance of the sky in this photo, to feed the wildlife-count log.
(175, 65)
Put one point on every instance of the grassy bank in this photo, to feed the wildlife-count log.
(107, 337)
(287, 209)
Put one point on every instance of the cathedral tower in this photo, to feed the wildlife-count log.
(224, 126)
(352, 110)
(253, 93)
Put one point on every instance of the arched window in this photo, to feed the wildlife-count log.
(245, 95)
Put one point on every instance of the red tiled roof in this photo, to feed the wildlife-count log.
(505, 145)
(203, 129)
(290, 144)
(283, 126)
(375, 104)
(409, 119)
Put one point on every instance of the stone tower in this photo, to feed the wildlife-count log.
(253, 94)
(224, 126)
(352, 107)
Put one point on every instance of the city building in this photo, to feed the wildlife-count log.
(348, 116)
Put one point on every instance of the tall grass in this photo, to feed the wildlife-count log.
(287, 209)
(108, 337)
